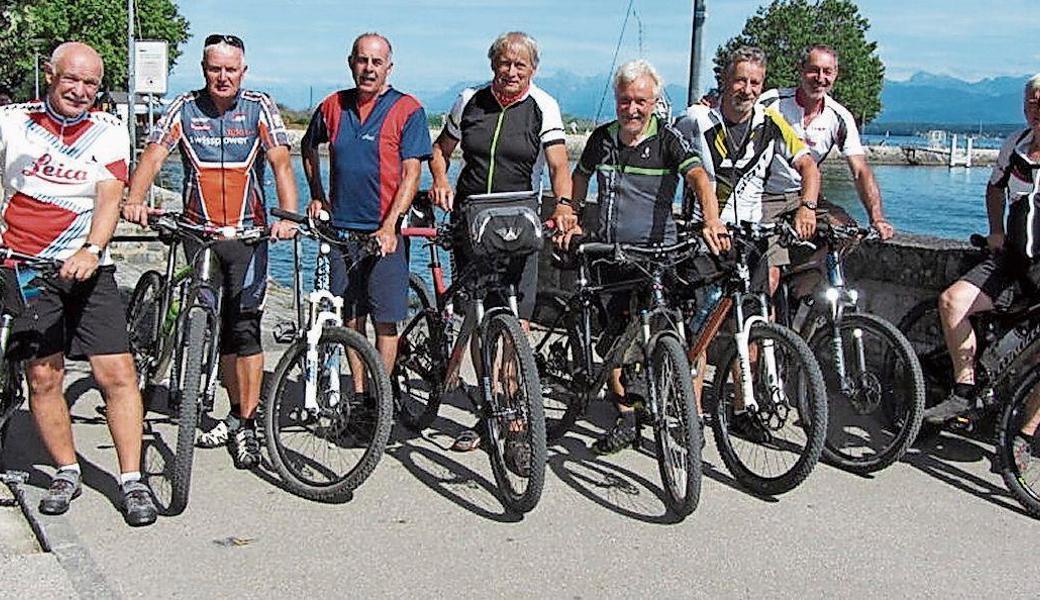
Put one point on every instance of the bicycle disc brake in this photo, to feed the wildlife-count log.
(863, 392)
(773, 412)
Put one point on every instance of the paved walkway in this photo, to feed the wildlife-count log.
(938, 524)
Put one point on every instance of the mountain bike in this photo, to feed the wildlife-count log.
(20, 282)
(1006, 377)
(768, 403)
(873, 378)
(174, 324)
(649, 350)
(328, 408)
(430, 350)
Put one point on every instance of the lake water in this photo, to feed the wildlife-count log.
(934, 201)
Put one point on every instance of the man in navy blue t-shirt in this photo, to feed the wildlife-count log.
(378, 138)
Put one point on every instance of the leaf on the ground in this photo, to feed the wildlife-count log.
(230, 542)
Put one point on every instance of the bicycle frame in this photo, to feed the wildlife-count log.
(197, 291)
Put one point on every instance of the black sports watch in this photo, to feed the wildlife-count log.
(93, 249)
(810, 204)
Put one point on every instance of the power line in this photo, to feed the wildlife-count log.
(613, 63)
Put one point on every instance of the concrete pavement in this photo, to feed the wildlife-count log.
(938, 524)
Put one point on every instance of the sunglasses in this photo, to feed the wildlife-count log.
(230, 40)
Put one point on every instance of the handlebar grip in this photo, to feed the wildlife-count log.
(596, 248)
(425, 232)
(979, 241)
(288, 215)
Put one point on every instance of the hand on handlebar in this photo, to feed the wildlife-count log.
(283, 230)
(442, 195)
(314, 208)
(884, 229)
(137, 212)
(716, 235)
(805, 222)
(995, 242)
(387, 238)
(563, 238)
(565, 218)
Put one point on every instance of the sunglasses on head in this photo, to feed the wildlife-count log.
(230, 40)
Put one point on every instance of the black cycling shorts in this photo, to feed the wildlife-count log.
(1005, 277)
(242, 272)
(78, 318)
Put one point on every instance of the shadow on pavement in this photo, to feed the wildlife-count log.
(937, 457)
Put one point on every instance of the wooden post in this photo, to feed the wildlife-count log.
(967, 161)
(953, 149)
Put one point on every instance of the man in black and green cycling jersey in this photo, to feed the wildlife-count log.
(638, 161)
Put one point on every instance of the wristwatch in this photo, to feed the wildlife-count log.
(93, 249)
(810, 204)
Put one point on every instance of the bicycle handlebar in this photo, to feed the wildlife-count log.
(35, 262)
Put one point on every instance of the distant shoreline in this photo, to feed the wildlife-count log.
(876, 154)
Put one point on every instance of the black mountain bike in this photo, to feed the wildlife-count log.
(874, 381)
(1007, 377)
(174, 324)
(431, 350)
(328, 408)
(649, 350)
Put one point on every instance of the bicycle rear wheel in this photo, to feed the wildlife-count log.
(325, 451)
(560, 358)
(773, 450)
(875, 413)
(922, 328)
(515, 422)
(144, 323)
(1019, 455)
(677, 431)
(419, 370)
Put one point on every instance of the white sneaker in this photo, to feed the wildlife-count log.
(214, 438)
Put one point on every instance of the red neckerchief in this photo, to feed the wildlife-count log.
(505, 101)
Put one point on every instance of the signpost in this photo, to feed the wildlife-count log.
(149, 77)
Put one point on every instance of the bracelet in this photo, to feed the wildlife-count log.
(810, 204)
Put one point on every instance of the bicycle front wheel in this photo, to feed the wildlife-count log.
(773, 449)
(419, 369)
(922, 328)
(324, 440)
(1018, 450)
(677, 430)
(193, 353)
(515, 421)
(874, 413)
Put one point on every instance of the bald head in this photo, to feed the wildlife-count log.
(79, 53)
(73, 77)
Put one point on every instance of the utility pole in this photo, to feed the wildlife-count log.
(700, 15)
(131, 109)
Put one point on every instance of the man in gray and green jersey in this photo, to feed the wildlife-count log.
(637, 182)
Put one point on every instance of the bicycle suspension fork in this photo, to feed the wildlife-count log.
(325, 310)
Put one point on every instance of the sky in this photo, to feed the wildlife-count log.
(438, 43)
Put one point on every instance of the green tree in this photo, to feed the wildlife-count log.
(31, 26)
(785, 27)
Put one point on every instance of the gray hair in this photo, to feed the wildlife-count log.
(633, 70)
(803, 58)
(368, 34)
(511, 40)
(1033, 84)
(752, 54)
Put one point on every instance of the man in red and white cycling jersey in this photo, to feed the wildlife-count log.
(64, 170)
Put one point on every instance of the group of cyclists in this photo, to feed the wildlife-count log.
(743, 155)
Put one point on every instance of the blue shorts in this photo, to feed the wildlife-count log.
(375, 285)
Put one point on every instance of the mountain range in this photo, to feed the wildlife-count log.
(923, 98)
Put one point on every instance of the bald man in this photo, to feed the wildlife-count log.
(66, 167)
